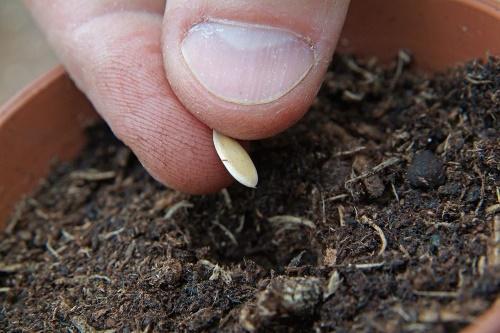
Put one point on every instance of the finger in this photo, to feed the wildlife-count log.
(113, 51)
(249, 68)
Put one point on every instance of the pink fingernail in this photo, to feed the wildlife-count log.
(246, 64)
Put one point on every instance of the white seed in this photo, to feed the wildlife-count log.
(236, 160)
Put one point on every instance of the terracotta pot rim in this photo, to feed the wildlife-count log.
(29, 92)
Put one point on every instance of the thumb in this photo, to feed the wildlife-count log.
(249, 68)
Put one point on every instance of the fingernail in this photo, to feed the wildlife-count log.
(246, 64)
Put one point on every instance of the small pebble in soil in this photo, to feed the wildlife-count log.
(283, 297)
(426, 171)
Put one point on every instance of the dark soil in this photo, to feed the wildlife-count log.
(374, 214)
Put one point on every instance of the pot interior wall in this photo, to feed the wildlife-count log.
(439, 33)
(43, 123)
(47, 120)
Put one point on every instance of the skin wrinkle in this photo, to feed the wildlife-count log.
(164, 125)
(169, 157)
(106, 49)
(158, 138)
(133, 102)
(117, 71)
(167, 127)
(178, 166)
(174, 141)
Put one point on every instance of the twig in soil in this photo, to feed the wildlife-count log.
(175, 207)
(481, 265)
(353, 66)
(111, 234)
(493, 209)
(217, 272)
(323, 208)
(10, 268)
(438, 294)
(93, 175)
(366, 220)
(84, 226)
(16, 216)
(52, 251)
(404, 250)
(4, 290)
(67, 236)
(337, 197)
(494, 244)
(165, 200)
(410, 146)
(473, 80)
(444, 224)
(41, 214)
(367, 266)
(147, 329)
(289, 219)
(128, 254)
(350, 152)
(461, 282)
(403, 59)
(395, 192)
(226, 231)
(100, 277)
(351, 96)
(376, 169)
(481, 176)
(333, 284)
(130, 250)
(416, 327)
(79, 279)
(227, 198)
(446, 145)
(85, 250)
(442, 316)
(400, 311)
(295, 262)
(341, 210)
(314, 193)
(241, 224)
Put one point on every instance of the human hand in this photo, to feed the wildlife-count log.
(162, 75)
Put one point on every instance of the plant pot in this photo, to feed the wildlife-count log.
(46, 121)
